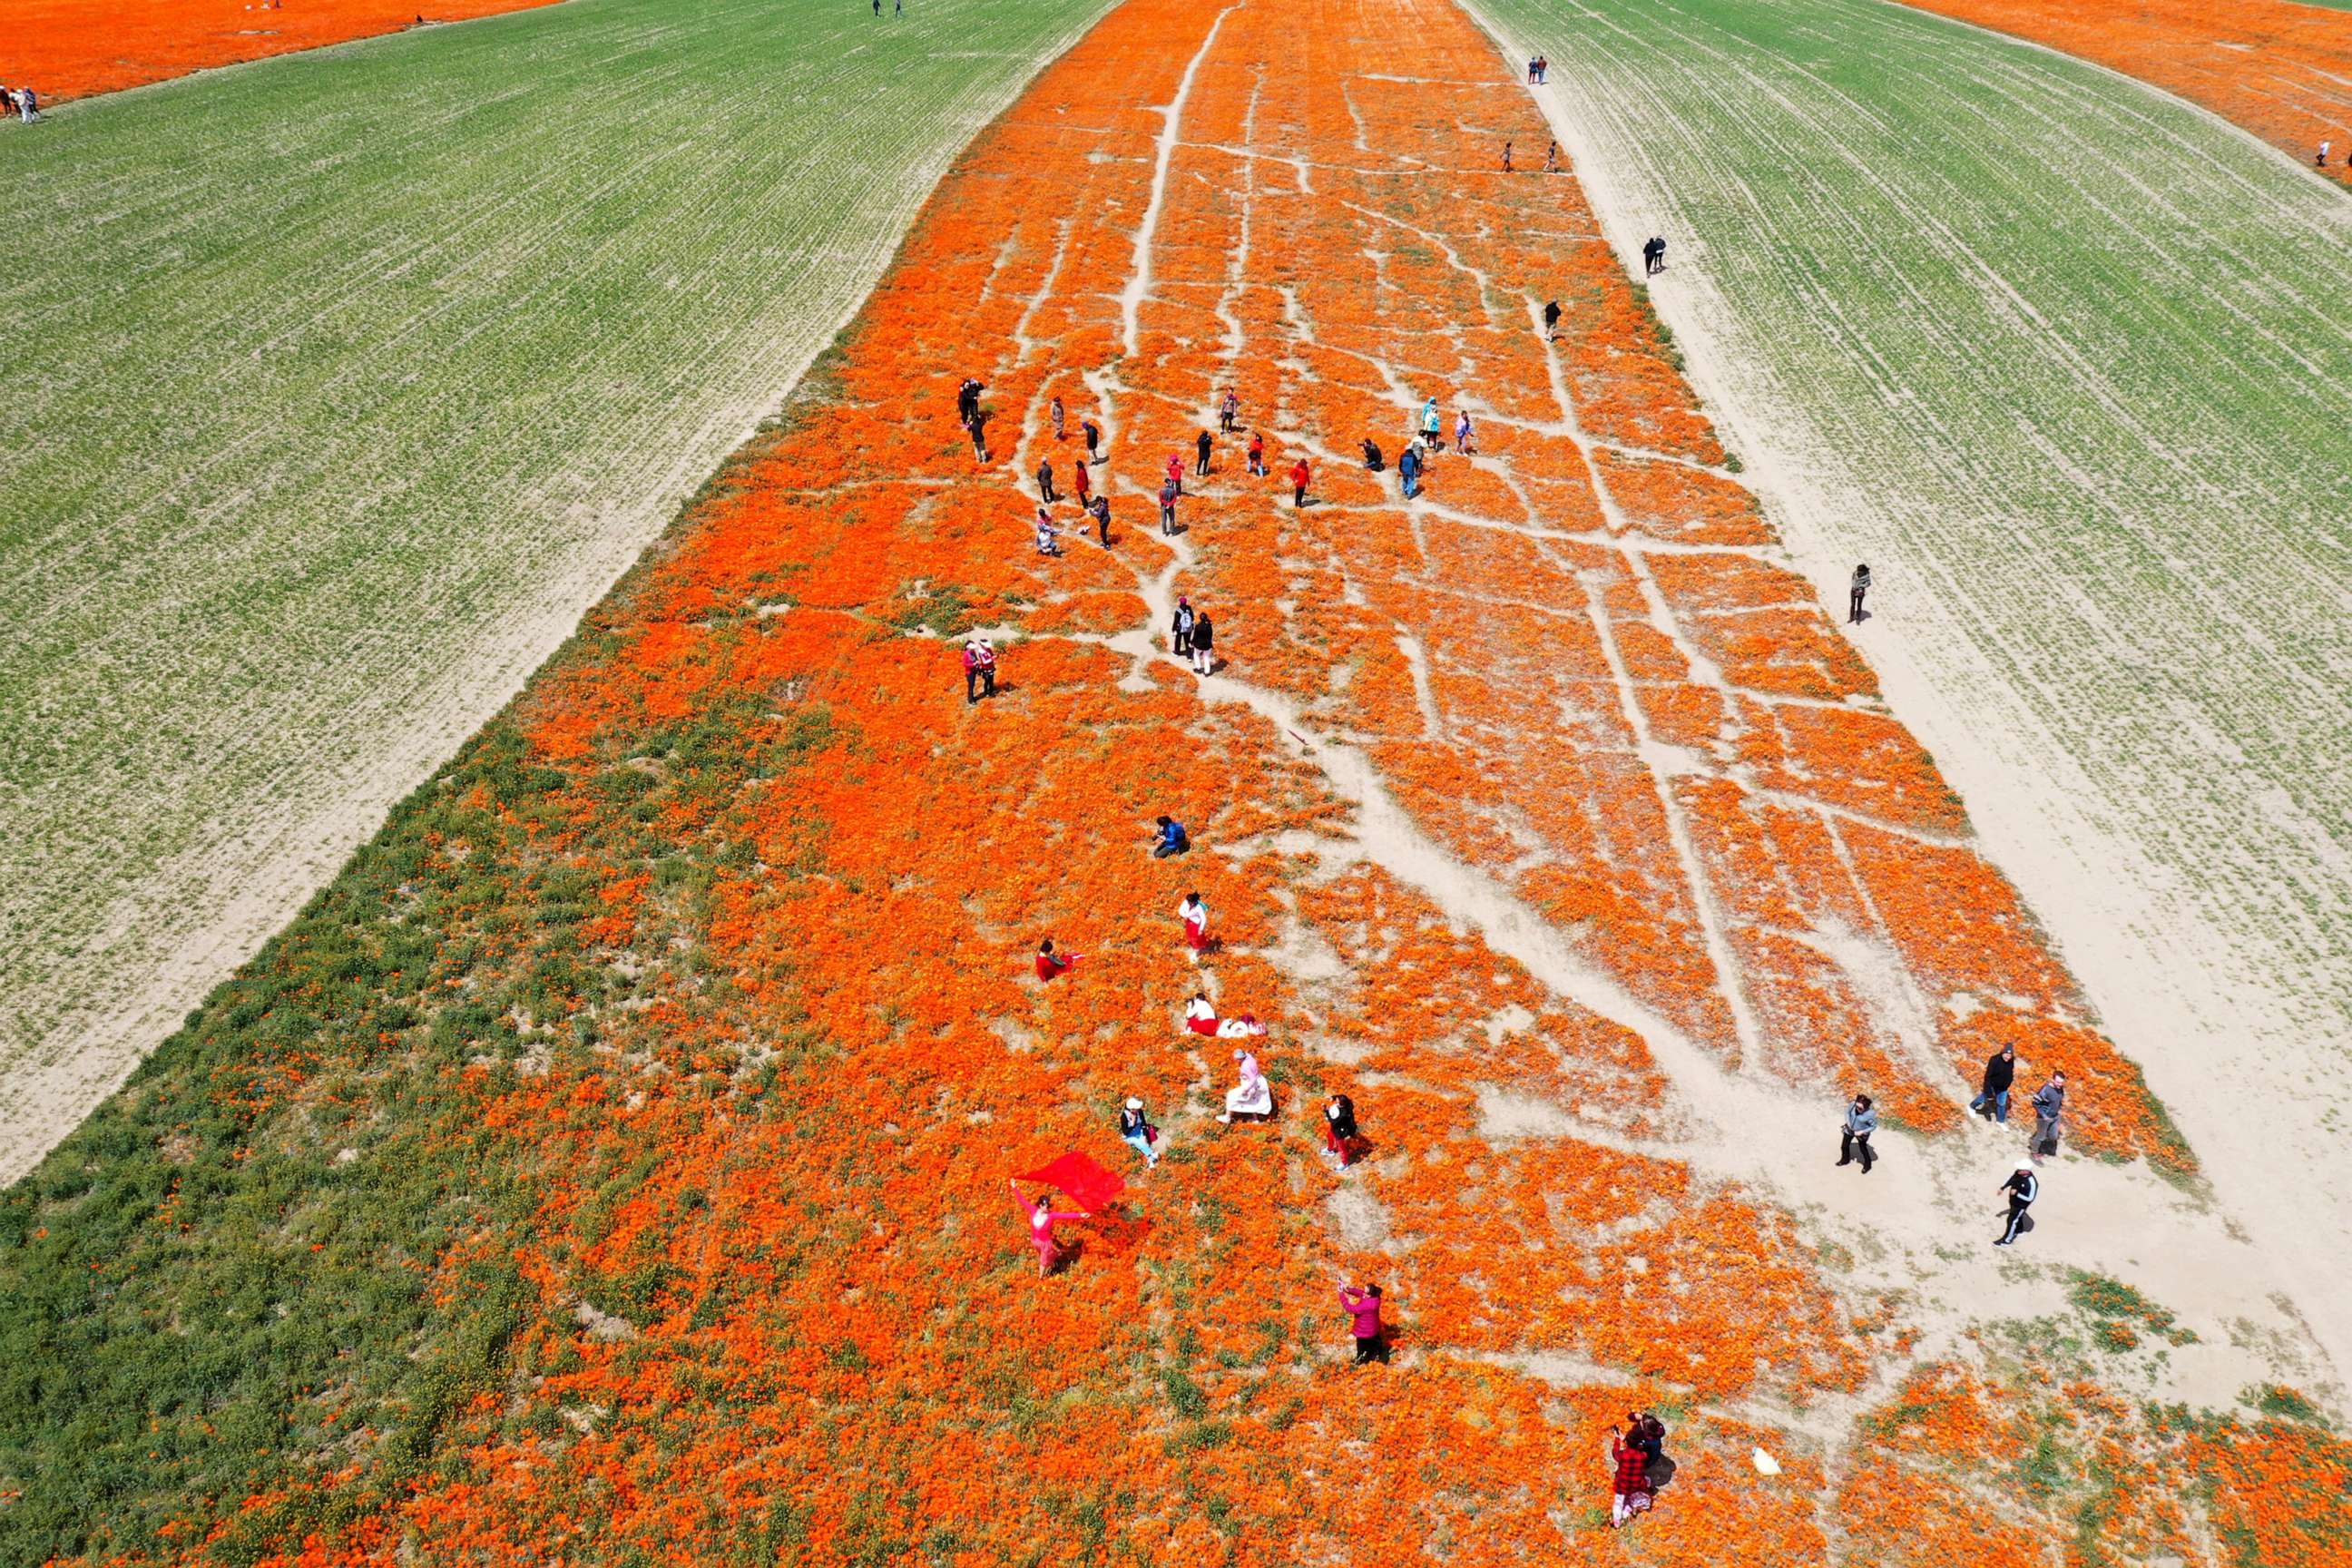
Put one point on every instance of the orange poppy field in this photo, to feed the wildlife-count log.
(2281, 69)
(1548, 815)
(72, 48)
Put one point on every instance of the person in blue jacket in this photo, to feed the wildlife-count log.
(1171, 839)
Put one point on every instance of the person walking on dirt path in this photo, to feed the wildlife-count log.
(1551, 157)
(1050, 963)
(1363, 1305)
(1629, 1486)
(1992, 1098)
(1195, 916)
(1201, 445)
(1046, 481)
(1180, 629)
(2022, 1187)
(1339, 1130)
(2049, 1105)
(1229, 411)
(1299, 485)
(1093, 433)
(1257, 455)
(979, 670)
(1136, 1129)
(1409, 471)
(1100, 508)
(1854, 1141)
(1551, 319)
(1167, 506)
(1431, 428)
(1506, 147)
(1041, 1217)
(1173, 838)
(1531, 71)
(1204, 645)
(1048, 536)
(1856, 615)
(1057, 411)
(1461, 431)
(1655, 255)
(1543, 70)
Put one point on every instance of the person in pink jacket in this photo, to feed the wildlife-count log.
(1040, 1228)
(1362, 1304)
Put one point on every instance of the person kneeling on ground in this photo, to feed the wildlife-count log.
(1047, 533)
(1252, 1096)
(1050, 963)
(1372, 459)
(1173, 839)
(1200, 1016)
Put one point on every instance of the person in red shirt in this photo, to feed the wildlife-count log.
(1630, 1491)
(1086, 485)
(1299, 484)
(1050, 963)
(1257, 455)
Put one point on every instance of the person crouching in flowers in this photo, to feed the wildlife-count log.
(1050, 963)
(1201, 1015)
(1245, 1027)
(1040, 1228)
(1195, 916)
(1251, 1096)
(1136, 1129)
(1630, 1490)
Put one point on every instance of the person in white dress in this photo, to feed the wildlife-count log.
(1251, 1096)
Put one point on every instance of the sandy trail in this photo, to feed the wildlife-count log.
(2180, 993)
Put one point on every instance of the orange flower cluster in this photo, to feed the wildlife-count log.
(67, 51)
(2275, 67)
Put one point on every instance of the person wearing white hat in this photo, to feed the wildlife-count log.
(1137, 1130)
(2022, 1187)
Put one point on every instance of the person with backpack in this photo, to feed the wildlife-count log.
(2022, 1187)
(1992, 1098)
(1204, 645)
(1180, 629)
(1854, 1141)
(1135, 1127)
(1409, 471)
(1363, 1305)
(1855, 590)
(1431, 427)
(1339, 1130)
(1171, 841)
(2049, 1105)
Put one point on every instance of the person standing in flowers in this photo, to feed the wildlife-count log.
(1228, 412)
(1363, 1305)
(1180, 627)
(1171, 841)
(1854, 1141)
(1992, 1100)
(1040, 1218)
(1854, 591)
(1204, 645)
(2022, 1187)
(1339, 1130)
(966, 402)
(1058, 416)
(1299, 485)
(1202, 446)
(1551, 157)
(1507, 157)
(1628, 1492)
(1251, 1096)
(979, 670)
(1086, 487)
(1100, 508)
(1050, 963)
(1195, 916)
(1135, 1129)
(1257, 455)
(1046, 481)
(1093, 433)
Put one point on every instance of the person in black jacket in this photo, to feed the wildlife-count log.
(1339, 1129)
(1854, 1142)
(1551, 319)
(1045, 482)
(2022, 1187)
(2000, 1070)
(1202, 446)
(1204, 645)
(1861, 585)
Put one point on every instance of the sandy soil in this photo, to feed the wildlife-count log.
(2173, 992)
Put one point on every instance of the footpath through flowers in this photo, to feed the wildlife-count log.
(1546, 818)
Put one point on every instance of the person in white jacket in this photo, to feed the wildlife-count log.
(1195, 916)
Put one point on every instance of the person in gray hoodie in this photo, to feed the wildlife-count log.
(1854, 1142)
(2049, 1104)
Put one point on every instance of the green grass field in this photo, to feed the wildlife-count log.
(340, 384)
(2069, 362)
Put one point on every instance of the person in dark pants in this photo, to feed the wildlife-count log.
(2022, 1187)
(1299, 485)
(1180, 629)
(1257, 455)
(1229, 411)
(1093, 433)
(1507, 146)
(2049, 1104)
(1373, 457)
(1854, 1142)
(1340, 1132)
(1992, 1100)
(1100, 508)
(1409, 471)
(1173, 839)
(1204, 644)
(1045, 482)
(1168, 506)
(1654, 257)
(1551, 319)
(1202, 446)
(967, 401)
(1861, 585)
(1363, 1305)
(979, 670)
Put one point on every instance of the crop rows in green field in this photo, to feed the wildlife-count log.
(338, 385)
(2079, 357)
